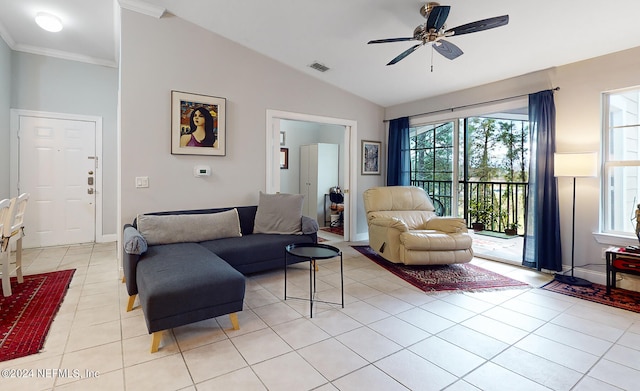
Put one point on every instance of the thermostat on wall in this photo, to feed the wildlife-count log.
(199, 171)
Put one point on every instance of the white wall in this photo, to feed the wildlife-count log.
(5, 99)
(160, 55)
(578, 129)
(54, 85)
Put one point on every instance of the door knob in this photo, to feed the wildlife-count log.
(90, 190)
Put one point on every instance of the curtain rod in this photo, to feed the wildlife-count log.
(452, 109)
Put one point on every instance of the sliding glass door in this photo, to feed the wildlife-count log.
(475, 167)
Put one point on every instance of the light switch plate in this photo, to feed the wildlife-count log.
(142, 181)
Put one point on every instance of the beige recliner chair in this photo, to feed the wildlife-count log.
(404, 228)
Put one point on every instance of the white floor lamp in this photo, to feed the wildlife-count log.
(574, 165)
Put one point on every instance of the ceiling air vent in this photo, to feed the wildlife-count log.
(319, 67)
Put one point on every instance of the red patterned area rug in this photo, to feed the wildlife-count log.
(457, 277)
(334, 230)
(619, 298)
(26, 315)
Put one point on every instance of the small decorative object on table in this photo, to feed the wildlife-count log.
(637, 218)
(632, 249)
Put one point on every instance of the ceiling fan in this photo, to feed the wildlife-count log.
(433, 31)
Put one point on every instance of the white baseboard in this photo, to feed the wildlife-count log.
(361, 237)
(589, 275)
(107, 238)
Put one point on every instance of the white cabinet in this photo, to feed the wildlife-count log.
(318, 173)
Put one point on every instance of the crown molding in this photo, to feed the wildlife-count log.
(8, 39)
(64, 55)
(143, 8)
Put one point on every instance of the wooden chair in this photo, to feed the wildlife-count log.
(5, 206)
(5, 217)
(12, 232)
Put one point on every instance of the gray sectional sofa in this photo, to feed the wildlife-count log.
(187, 266)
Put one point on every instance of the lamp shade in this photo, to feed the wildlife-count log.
(584, 164)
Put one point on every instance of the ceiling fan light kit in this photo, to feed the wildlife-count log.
(434, 30)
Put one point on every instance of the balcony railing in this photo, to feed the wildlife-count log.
(500, 204)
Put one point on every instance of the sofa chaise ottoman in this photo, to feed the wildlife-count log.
(187, 266)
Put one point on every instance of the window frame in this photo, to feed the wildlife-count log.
(609, 163)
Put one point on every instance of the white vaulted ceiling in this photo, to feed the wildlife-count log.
(540, 34)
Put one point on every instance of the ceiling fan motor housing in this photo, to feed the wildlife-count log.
(426, 9)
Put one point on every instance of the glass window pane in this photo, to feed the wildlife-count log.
(444, 164)
(623, 108)
(498, 149)
(431, 156)
(623, 194)
(624, 143)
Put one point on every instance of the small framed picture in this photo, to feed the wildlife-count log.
(282, 138)
(284, 158)
(198, 124)
(371, 157)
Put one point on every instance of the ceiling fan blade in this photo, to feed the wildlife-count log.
(404, 54)
(391, 40)
(437, 17)
(447, 49)
(479, 25)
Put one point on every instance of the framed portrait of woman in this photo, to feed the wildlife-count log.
(198, 124)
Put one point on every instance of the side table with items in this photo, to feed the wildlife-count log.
(621, 260)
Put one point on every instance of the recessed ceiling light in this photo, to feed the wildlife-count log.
(49, 22)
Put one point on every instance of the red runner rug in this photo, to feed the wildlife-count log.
(26, 315)
(619, 298)
(456, 277)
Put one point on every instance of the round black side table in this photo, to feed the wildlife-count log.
(313, 252)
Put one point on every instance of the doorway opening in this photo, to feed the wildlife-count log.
(346, 131)
(476, 167)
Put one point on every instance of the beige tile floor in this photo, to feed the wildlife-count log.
(389, 336)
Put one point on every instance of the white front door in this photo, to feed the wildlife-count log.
(57, 166)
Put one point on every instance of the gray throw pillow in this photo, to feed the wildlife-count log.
(279, 214)
(182, 228)
(309, 225)
(134, 243)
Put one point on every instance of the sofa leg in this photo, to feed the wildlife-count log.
(124, 279)
(315, 265)
(234, 321)
(155, 341)
(132, 300)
